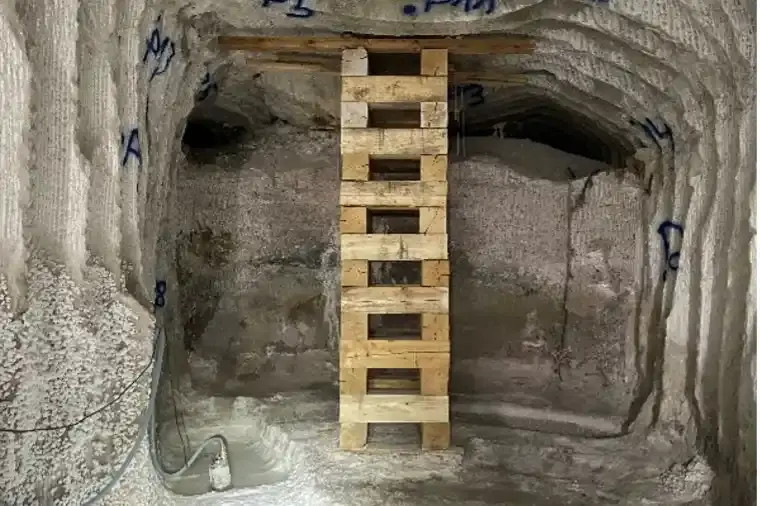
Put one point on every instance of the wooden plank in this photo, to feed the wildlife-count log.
(390, 408)
(355, 166)
(393, 384)
(354, 325)
(275, 66)
(436, 436)
(353, 380)
(434, 62)
(435, 327)
(434, 114)
(435, 273)
(354, 273)
(483, 44)
(353, 436)
(394, 89)
(331, 64)
(433, 167)
(353, 220)
(395, 354)
(433, 220)
(392, 247)
(434, 380)
(354, 114)
(395, 141)
(354, 62)
(395, 299)
(393, 193)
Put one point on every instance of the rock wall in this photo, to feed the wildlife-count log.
(256, 273)
(256, 260)
(93, 94)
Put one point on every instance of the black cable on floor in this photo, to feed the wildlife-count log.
(87, 416)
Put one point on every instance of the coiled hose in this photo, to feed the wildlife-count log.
(149, 425)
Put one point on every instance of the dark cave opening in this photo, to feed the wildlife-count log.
(205, 133)
(551, 125)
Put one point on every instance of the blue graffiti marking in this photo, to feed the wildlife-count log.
(654, 133)
(469, 6)
(131, 147)
(473, 5)
(473, 93)
(156, 48)
(297, 10)
(207, 87)
(671, 258)
(160, 291)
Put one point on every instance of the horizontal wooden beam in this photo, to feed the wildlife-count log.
(393, 384)
(393, 89)
(492, 79)
(394, 354)
(395, 299)
(395, 142)
(491, 44)
(393, 247)
(393, 193)
(389, 408)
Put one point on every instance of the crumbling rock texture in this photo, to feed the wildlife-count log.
(94, 97)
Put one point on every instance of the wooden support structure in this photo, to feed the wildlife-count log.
(364, 194)
(470, 44)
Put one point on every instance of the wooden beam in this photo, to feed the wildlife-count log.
(356, 273)
(393, 89)
(393, 247)
(331, 64)
(434, 273)
(433, 221)
(389, 408)
(393, 384)
(395, 354)
(499, 44)
(353, 220)
(395, 300)
(433, 167)
(397, 142)
(435, 327)
(393, 193)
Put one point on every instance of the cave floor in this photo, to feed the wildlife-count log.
(284, 452)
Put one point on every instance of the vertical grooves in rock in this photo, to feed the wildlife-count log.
(59, 183)
(130, 47)
(14, 169)
(99, 131)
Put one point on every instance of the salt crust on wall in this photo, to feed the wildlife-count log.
(77, 81)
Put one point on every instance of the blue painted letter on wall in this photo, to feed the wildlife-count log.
(130, 146)
(297, 9)
(160, 50)
(671, 257)
(468, 6)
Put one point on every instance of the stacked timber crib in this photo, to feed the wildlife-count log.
(394, 344)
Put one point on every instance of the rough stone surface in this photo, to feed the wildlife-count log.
(252, 281)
